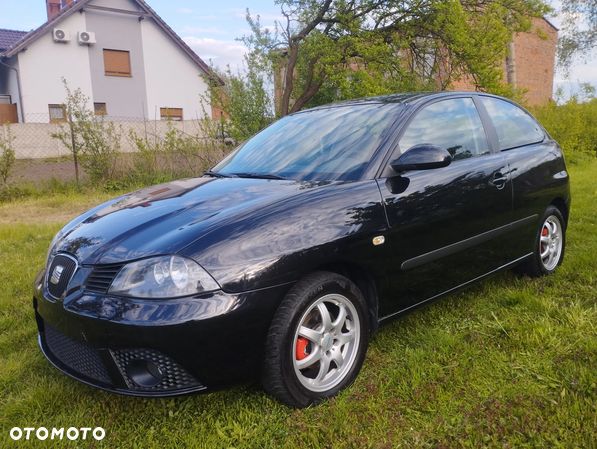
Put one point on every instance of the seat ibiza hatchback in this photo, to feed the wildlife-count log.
(283, 259)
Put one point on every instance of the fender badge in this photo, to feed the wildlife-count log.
(379, 240)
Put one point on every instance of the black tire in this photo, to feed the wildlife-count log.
(280, 377)
(534, 266)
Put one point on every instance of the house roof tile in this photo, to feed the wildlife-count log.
(8, 38)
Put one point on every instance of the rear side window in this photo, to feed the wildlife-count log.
(514, 126)
(452, 125)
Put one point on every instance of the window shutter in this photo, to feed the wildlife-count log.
(100, 109)
(174, 114)
(117, 63)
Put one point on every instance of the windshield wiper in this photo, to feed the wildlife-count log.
(216, 174)
(257, 176)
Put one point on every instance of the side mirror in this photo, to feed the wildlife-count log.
(422, 157)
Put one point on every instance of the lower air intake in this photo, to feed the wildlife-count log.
(167, 374)
(76, 356)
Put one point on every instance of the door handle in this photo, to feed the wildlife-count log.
(499, 180)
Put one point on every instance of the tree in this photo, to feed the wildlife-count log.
(335, 49)
(244, 100)
(578, 30)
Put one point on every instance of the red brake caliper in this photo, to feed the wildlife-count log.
(544, 233)
(301, 348)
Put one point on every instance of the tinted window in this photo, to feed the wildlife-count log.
(514, 126)
(453, 125)
(322, 145)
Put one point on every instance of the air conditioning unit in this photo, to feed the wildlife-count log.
(60, 35)
(86, 38)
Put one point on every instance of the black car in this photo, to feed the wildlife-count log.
(283, 259)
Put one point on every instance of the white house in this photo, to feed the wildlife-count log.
(120, 53)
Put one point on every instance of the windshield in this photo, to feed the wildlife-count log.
(327, 144)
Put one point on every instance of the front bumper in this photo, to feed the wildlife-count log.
(155, 348)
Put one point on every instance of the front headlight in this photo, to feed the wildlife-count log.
(162, 277)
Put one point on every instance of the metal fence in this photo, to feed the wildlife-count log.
(34, 138)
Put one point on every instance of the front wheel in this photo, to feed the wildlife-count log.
(317, 341)
(550, 243)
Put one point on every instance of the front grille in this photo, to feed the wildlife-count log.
(101, 278)
(175, 377)
(76, 355)
(59, 274)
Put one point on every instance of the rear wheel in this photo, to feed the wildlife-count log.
(317, 341)
(550, 243)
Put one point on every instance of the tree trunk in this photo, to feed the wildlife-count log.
(288, 82)
(75, 151)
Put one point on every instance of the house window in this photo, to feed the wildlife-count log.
(57, 113)
(174, 114)
(100, 109)
(117, 63)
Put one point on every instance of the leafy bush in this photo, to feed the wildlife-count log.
(7, 153)
(93, 142)
(573, 125)
(175, 154)
(101, 144)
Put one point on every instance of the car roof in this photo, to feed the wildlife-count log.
(407, 97)
(410, 98)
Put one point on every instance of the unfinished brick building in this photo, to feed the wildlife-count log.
(530, 63)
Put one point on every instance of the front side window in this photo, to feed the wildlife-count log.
(327, 144)
(514, 126)
(453, 125)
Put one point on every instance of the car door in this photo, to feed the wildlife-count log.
(445, 224)
(536, 167)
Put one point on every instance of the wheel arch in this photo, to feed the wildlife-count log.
(364, 281)
(562, 206)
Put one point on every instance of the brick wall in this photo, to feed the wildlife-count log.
(534, 63)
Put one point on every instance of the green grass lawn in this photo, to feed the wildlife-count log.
(508, 363)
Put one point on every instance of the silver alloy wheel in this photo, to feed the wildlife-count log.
(326, 342)
(550, 242)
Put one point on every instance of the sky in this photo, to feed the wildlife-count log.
(212, 27)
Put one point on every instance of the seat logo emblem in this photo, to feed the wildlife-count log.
(56, 274)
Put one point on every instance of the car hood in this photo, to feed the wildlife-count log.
(165, 218)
